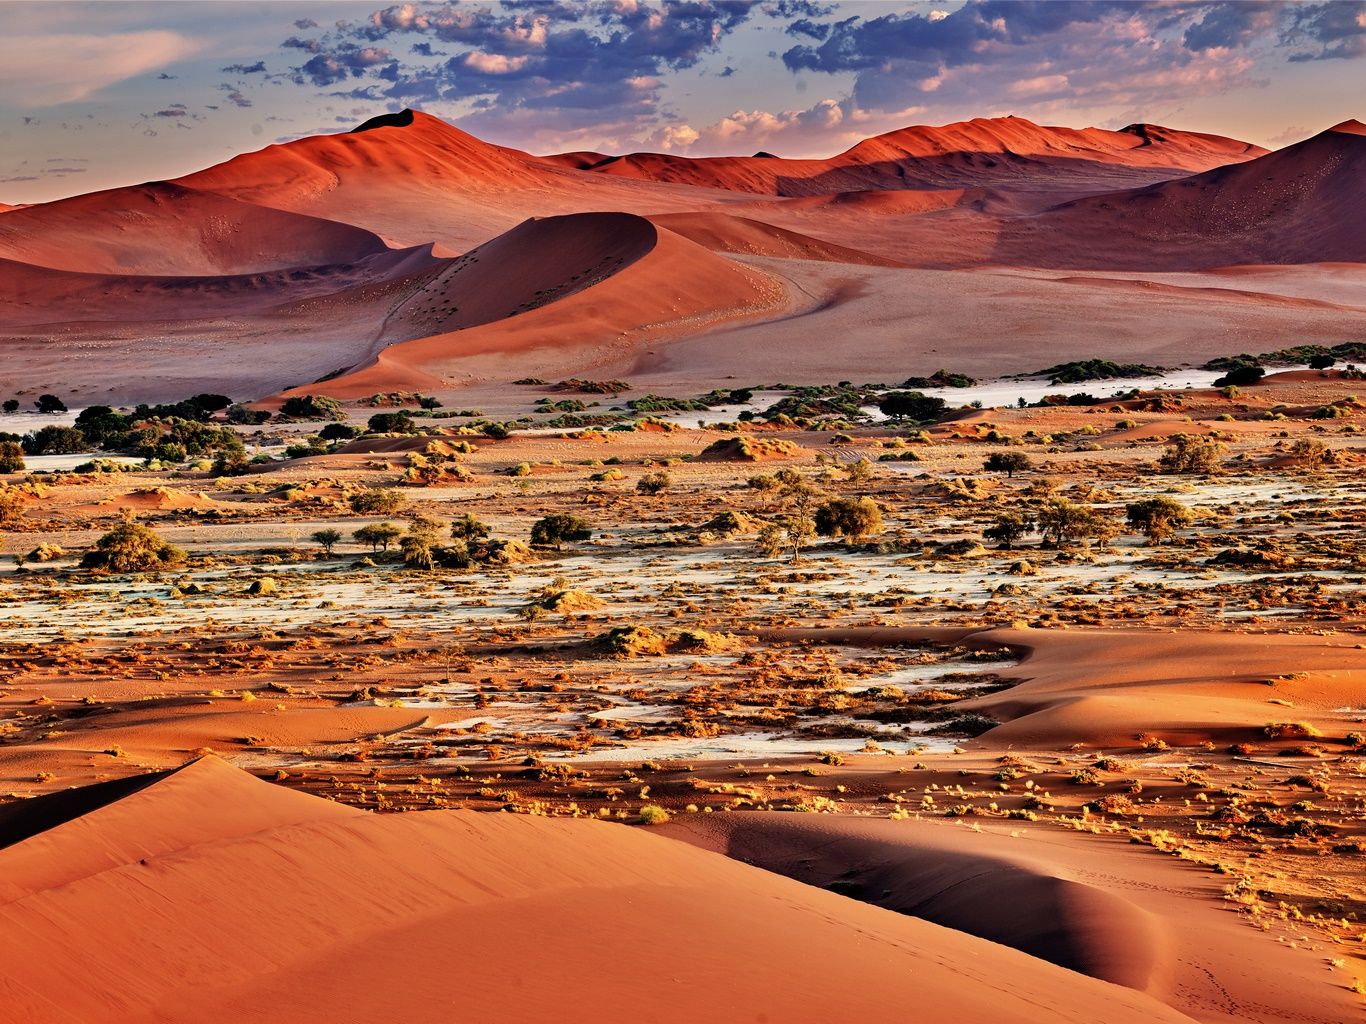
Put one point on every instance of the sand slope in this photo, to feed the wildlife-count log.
(210, 896)
(1095, 904)
(167, 229)
(1301, 204)
(631, 282)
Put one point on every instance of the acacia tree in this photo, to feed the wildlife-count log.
(1157, 518)
(11, 457)
(555, 529)
(1008, 463)
(378, 535)
(327, 540)
(795, 525)
(1061, 521)
(1009, 528)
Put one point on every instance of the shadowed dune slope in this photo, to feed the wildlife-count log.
(211, 896)
(166, 229)
(1096, 904)
(1301, 204)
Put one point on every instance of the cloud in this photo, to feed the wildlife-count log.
(990, 52)
(235, 95)
(45, 70)
(1332, 31)
(569, 65)
(259, 68)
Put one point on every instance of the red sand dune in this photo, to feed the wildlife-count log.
(978, 152)
(166, 229)
(574, 289)
(1301, 204)
(207, 895)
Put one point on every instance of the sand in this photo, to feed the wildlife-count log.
(360, 917)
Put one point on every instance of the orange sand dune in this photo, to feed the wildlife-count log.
(1104, 687)
(1301, 204)
(210, 896)
(633, 283)
(984, 151)
(723, 232)
(1094, 904)
(167, 229)
(417, 180)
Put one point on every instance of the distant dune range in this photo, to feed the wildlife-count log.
(410, 254)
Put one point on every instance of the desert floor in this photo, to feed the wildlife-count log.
(1112, 763)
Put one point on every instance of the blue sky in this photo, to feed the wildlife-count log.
(94, 95)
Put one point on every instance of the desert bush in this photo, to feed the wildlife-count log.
(376, 502)
(654, 483)
(391, 423)
(50, 404)
(1191, 453)
(11, 457)
(132, 547)
(312, 407)
(848, 517)
(53, 440)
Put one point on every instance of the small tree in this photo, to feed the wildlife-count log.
(1321, 361)
(859, 471)
(312, 407)
(391, 423)
(13, 505)
(653, 483)
(54, 440)
(327, 540)
(555, 529)
(132, 547)
(1157, 518)
(378, 535)
(1241, 374)
(1191, 453)
(1009, 528)
(911, 405)
(11, 405)
(419, 544)
(50, 404)
(1061, 521)
(338, 432)
(468, 529)
(848, 517)
(1008, 463)
(1311, 452)
(376, 502)
(11, 457)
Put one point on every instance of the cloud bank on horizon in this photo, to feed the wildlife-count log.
(98, 95)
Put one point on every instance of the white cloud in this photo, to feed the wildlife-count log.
(42, 71)
(493, 63)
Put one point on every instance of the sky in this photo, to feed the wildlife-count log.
(100, 94)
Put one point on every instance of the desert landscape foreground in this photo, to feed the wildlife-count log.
(923, 583)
